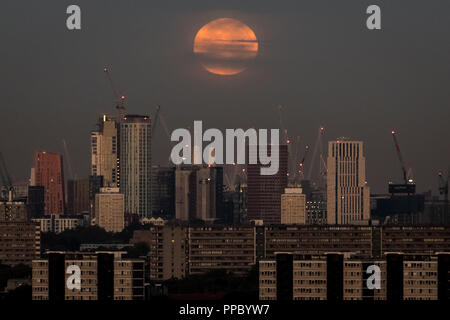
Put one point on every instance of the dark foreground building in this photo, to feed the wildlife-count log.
(105, 276)
(20, 242)
(19, 239)
(177, 251)
(337, 277)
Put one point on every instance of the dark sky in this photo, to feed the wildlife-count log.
(316, 58)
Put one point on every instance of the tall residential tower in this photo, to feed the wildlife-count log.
(136, 164)
(105, 151)
(48, 173)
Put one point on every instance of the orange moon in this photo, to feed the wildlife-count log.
(225, 46)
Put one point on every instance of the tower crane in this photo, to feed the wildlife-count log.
(293, 159)
(302, 162)
(400, 158)
(408, 186)
(160, 120)
(155, 119)
(119, 99)
(318, 148)
(323, 164)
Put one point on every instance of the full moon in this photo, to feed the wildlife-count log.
(225, 46)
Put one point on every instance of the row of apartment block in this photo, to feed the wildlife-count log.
(20, 242)
(103, 276)
(337, 277)
(178, 250)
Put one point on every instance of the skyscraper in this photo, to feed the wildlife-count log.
(105, 151)
(209, 191)
(264, 191)
(135, 164)
(348, 196)
(199, 192)
(293, 206)
(235, 205)
(163, 191)
(185, 178)
(48, 173)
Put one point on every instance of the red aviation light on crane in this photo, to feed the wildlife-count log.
(393, 131)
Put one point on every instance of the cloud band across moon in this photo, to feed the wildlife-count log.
(225, 46)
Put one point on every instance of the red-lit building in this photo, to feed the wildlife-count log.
(48, 173)
(264, 191)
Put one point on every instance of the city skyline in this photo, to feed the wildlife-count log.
(67, 165)
(213, 158)
(355, 83)
(317, 177)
